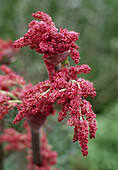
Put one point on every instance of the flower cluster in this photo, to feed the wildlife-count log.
(12, 87)
(10, 79)
(7, 51)
(63, 87)
(15, 140)
(34, 103)
(44, 37)
(71, 94)
(5, 105)
(21, 141)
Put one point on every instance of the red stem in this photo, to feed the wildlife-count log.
(37, 158)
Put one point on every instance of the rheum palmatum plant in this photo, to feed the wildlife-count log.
(63, 86)
(35, 103)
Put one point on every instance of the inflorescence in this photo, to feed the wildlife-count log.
(44, 37)
(63, 87)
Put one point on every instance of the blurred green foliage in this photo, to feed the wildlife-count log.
(98, 26)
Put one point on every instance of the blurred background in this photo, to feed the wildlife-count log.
(97, 22)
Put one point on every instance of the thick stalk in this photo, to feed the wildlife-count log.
(37, 158)
(35, 122)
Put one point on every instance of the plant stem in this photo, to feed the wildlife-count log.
(37, 159)
(15, 101)
(8, 94)
(42, 94)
